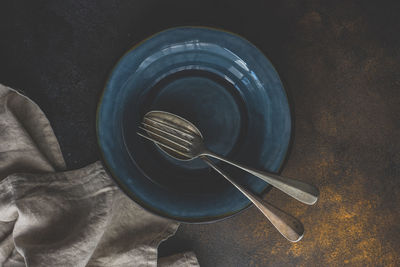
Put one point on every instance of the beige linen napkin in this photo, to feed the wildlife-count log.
(53, 217)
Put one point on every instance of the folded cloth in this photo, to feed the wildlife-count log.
(53, 217)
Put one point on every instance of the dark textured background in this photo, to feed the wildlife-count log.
(340, 62)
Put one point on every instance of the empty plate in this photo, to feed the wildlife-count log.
(222, 84)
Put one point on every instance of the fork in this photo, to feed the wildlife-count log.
(180, 136)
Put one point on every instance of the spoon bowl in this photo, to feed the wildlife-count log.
(186, 141)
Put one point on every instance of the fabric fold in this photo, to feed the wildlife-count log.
(53, 217)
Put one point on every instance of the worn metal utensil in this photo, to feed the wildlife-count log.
(291, 228)
(182, 140)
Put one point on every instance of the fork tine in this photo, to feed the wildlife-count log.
(163, 145)
(170, 127)
(167, 133)
(165, 138)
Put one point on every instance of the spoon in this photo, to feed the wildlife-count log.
(291, 228)
(182, 140)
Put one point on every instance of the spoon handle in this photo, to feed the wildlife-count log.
(303, 192)
(291, 228)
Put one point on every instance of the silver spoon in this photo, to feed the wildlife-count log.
(182, 140)
(291, 228)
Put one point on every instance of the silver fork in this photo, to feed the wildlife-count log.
(185, 142)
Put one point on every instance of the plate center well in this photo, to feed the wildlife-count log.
(207, 101)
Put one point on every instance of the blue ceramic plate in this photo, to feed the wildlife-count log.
(219, 82)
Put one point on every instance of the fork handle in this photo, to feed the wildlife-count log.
(303, 192)
(291, 228)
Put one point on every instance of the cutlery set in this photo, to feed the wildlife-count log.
(182, 140)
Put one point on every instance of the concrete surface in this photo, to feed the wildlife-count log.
(340, 62)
